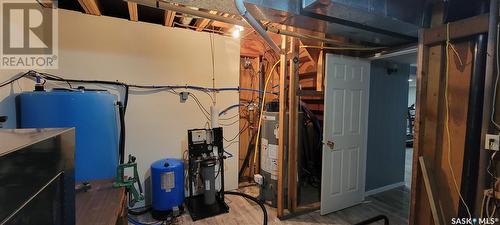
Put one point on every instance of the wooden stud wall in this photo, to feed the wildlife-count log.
(431, 136)
(293, 120)
(282, 124)
(249, 78)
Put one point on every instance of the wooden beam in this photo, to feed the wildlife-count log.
(307, 53)
(132, 11)
(222, 24)
(320, 70)
(421, 95)
(459, 29)
(428, 120)
(202, 23)
(430, 187)
(282, 126)
(90, 7)
(169, 18)
(293, 123)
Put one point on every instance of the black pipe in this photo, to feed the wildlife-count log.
(250, 150)
(470, 167)
(121, 150)
(264, 211)
(139, 212)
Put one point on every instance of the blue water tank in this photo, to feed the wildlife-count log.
(167, 181)
(95, 118)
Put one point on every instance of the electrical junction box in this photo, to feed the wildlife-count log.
(492, 142)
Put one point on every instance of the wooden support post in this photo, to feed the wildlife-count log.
(427, 126)
(282, 126)
(422, 74)
(293, 120)
(90, 7)
(169, 18)
(132, 11)
(320, 70)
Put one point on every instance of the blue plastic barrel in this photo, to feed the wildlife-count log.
(167, 181)
(95, 118)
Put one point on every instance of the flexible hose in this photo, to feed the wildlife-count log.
(140, 212)
(264, 211)
(255, 153)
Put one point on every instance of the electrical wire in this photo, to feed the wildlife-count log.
(12, 80)
(239, 133)
(262, 111)
(230, 124)
(231, 117)
(203, 109)
(231, 143)
(447, 119)
(229, 108)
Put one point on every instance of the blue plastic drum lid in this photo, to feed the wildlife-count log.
(95, 118)
(167, 181)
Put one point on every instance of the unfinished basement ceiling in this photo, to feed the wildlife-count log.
(379, 22)
(386, 23)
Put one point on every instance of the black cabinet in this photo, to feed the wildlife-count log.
(37, 176)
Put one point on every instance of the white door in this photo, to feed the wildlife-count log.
(345, 132)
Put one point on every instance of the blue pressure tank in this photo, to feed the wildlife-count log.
(167, 181)
(95, 118)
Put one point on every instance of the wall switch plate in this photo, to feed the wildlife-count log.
(492, 142)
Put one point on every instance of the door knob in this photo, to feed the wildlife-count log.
(330, 144)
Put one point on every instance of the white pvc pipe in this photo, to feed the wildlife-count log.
(214, 116)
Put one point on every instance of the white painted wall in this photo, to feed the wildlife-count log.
(105, 48)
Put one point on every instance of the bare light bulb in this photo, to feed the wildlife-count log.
(236, 33)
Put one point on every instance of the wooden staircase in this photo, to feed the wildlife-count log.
(311, 70)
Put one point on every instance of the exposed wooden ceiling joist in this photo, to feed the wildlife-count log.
(90, 7)
(202, 23)
(169, 18)
(132, 11)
